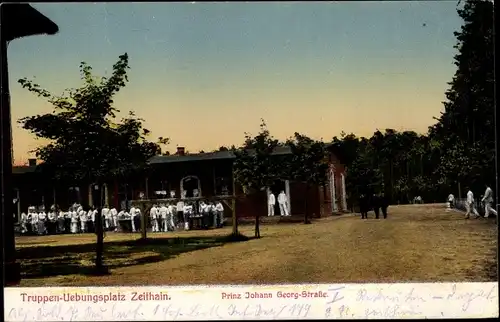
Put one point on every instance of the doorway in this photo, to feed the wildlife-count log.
(189, 185)
(275, 189)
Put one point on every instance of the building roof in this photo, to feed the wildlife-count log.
(162, 159)
(20, 169)
(21, 20)
(220, 155)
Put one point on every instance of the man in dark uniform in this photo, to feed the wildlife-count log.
(384, 204)
(376, 205)
(363, 206)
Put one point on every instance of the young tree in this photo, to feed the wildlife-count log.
(254, 167)
(307, 164)
(86, 144)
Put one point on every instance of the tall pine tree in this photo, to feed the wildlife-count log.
(466, 127)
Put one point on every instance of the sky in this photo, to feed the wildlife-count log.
(203, 74)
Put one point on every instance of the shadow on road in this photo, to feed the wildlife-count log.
(45, 261)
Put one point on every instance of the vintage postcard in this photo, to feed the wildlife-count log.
(262, 160)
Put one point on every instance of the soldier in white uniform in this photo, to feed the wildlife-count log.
(52, 220)
(283, 203)
(171, 218)
(82, 215)
(203, 211)
(271, 201)
(24, 221)
(188, 210)
(219, 212)
(470, 206)
(488, 201)
(114, 218)
(105, 215)
(42, 221)
(153, 214)
(133, 214)
(180, 213)
(61, 216)
(74, 220)
(34, 219)
(164, 215)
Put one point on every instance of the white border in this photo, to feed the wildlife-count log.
(267, 302)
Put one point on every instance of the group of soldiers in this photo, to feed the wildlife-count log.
(75, 220)
(162, 218)
(169, 217)
(470, 203)
(376, 202)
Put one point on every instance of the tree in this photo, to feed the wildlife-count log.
(254, 167)
(86, 144)
(308, 164)
(467, 123)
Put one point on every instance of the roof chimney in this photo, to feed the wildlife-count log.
(32, 162)
(181, 150)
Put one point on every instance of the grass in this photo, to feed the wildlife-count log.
(418, 243)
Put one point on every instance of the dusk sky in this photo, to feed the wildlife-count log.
(202, 74)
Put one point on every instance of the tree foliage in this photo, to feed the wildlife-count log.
(87, 143)
(254, 169)
(458, 148)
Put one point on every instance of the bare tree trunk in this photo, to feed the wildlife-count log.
(257, 226)
(98, 230)
(306, 204)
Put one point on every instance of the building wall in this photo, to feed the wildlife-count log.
(319, 201)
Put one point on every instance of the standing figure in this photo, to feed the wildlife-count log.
(202, 211)
(451, 201)
(186, 214)
(61, 216)
(219, 210)
(153, 214)
(34, 220)
(133, 214)
(171, 210)
(488, 201)
(82, 215)
(105, 214)
(363, 206)
(24, 221)
(376, 205)
(67, 220)
(384, 204)
(283, 203)
(138, 219)
(52, 220)
(214, 215)
(271, 201)
(469, 205)
(180, 213)
(122, 215)
(91, 220)
(42, 221)
(74, 221)
(163, 217)
(114, 218)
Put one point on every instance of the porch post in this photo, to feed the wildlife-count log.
(333, 192)
(287, 191)
(91, 199)
(18, 204)
(146, 190)
(344, 197)
(106, 195)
